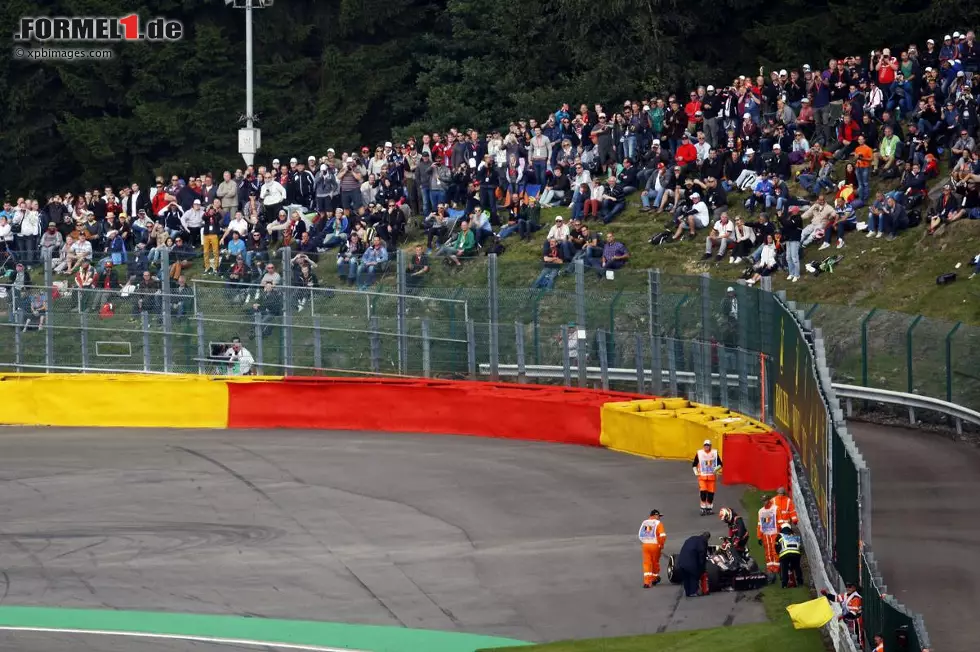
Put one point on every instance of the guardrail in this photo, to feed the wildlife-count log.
(911, 401)
(850, 393)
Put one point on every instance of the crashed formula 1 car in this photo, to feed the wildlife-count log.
(726, 570)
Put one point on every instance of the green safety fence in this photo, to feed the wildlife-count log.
(883, 615)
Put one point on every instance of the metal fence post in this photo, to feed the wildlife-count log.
(259, 344)
(949, 361)
(402, 282)
(426, 350)
(741, 355)
(288, 304)
(494, 317)
(603, 358)
(640, 370)
(167, 317)
(18, 342)
(49, 299)
(766, 284)
(671, 366)
(723, 375)
(199, 318)
(864, 346)
(566, 357)
(582, 346)
(706, 334)
(653, 317)
(471, 349)
(317, 344)
(375, 344)
(519, 345)
(864, 484)
(83, 338)
(908, 349)
(145, 323)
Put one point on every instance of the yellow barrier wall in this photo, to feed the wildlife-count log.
(124, 400)
(670, 428)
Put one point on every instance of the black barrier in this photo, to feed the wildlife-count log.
(800, 407)
(845, 515)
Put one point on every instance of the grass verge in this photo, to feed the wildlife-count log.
(777, 634)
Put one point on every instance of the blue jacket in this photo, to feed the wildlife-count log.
(693, 555)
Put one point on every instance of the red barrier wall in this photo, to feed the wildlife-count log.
(758, 460)
(534, 412)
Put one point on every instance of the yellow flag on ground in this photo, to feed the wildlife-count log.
(811, 615)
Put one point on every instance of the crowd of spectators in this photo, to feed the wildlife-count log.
(761, 168)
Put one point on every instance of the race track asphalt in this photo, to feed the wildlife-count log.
(524, 540)
(925, 531)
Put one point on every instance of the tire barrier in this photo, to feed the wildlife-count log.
(760, 460)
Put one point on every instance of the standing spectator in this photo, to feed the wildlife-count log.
(863, 159)
(227, 192)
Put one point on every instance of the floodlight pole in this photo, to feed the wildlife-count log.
(249, 138)
(249, 122)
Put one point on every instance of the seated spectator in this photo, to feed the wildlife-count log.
(820, 215)
(374, 258)
(761, 192)
(744, 241)
(521, 219)
(180, 258)
(462, 246)
(267, 307)
(349, 256)
(946, 208)
(693, 218)
(889, 152)
(614, 255)
(593, 197)
(64, 261)
(767, 261)
(418, 267)
(722, 233)
(560, 233)
(107, 283)
(613, 201)
(438, 225)
(963, 146)
(553, 258)
(557, 190)
(51, 241)
(751, 168)
(627, 179)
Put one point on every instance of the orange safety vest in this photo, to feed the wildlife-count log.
(767, 521)
(785, 511)
(852, 602)
(880, 647)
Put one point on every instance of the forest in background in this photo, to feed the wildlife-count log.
(341, 73)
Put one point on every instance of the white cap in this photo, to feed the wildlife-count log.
(310, 158)
(741, 77)
(931, 41)
(323, 167)
(749, 151)
(960, 73)
(806, 66)
(695, 195)
(387, 143)
(293, 160)
(275, 162)
(956, 34)
(947, 38)
(777, 146)
(707, 442)
(928, 68)
(747, 116)
(197, 201)
(559, 218)
(350, 159)
(805, 100)
(331, 149)
(656, 141)
(602, 115)
(783, 73)
(710, 87)
(730, 289)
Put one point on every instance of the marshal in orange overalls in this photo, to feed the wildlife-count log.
(706, 464)
(767, 532)
(785, 509)
(653, 538)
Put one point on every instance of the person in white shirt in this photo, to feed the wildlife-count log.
(237, 224)
(702, 148)
(240, 360)
(81, 250)
(561, 233)
(694, 218)
(720, 235)
(272, 195)
(767, 261)
(193, 221)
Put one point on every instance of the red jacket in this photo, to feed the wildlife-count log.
(686, 153)
(849, 131)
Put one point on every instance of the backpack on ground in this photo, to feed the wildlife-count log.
(661, 238)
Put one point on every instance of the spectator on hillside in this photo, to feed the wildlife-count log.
(553, 257)
(692, 218)
(418, 267)
(820, 215)
(613, 201)
(767, 261)
(722, 233)
(744, 241)
(614, 255)
(462, 246)
(945, 208)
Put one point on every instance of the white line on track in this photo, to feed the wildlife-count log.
(182, 637)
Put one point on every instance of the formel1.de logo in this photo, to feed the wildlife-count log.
(97, 29)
